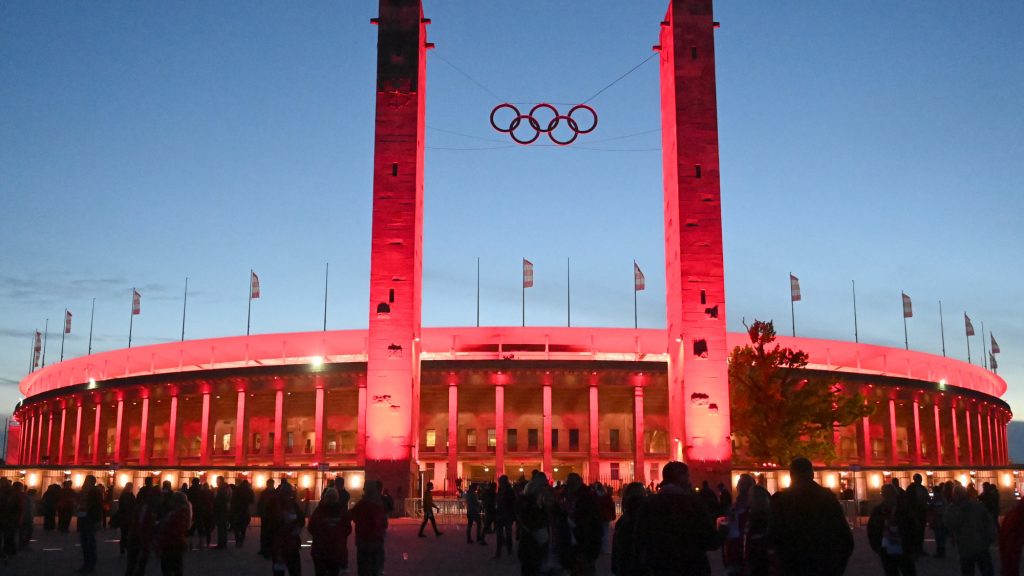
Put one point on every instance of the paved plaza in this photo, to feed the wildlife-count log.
(54, 553)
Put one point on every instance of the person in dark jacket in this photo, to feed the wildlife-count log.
(173, 535)
(242, 499)
(286, 541)
(141, 532)
(1011, 540)
(584, 515)
(488, 500)
(428, 511)
(65, 507)
(330, 526)
(371, 523)
(125, 508)
(473, 511)
(504, 515)
(807, 528)
(49, 507)
(894, 533)
(745, 550)
(222, 511)
(10, 518)
(675, 530)
(90, 507)
(625, 556)
(266, 508)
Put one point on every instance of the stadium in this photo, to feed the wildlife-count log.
(404, 403)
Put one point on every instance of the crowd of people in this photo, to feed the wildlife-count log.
(551, 528)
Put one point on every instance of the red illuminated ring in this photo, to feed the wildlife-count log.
(515, 124)
(572, 126)
(554, 117)
(592, 113)
(512, 125)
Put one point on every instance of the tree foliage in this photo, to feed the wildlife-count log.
(781, 411)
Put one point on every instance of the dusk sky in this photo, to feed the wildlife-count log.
(143, 143)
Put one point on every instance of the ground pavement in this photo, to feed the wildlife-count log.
(54, 553)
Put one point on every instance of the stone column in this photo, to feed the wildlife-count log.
(893, 446)
(172, 432)
(361, 424)
(96, 441)
(866, 451)
(119, 431)
(204, 442)
(144, 432)
(981, 442)
(956, 435)
(279, 427)
(938, 434)
(78, 434)
(453, 432)
(594, 435)
(318, 421)
(546, 459)
(63, 421)
(916, 407)
(49, 436)
(970, 438)
(639, 466)
(240, 427)
(499, 429)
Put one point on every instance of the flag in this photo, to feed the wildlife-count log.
(908, 307)
(639, 282)
(992, 361)
(37, 347)
(527, 273)
(254, 286)
(967, 325)
(995, 345)
(67, 322)
(794, 288)
(136, 302)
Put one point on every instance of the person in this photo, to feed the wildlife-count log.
(330, 526)
(388, 501)
(675, 530)
(990, 498)
(125, 507)
(935, 511)
(606, 504)
(1011, 539)
(744, 551)
(504, 515)
(625, 559)
(242, 498)
(222, 511)
(807, 528)
(584, 516)
(428, 511)
(108, 504)
(49, 507)
(10, 518)
(28, 515)
(543, 530)
(724, 499)
(173, 539)
(371, 523)
(65, 507)
(287, 532)
(918, 502)
(488, 496)
(90, 507)
(973, 530)
(141, 531)
(473, 516)
(266, 508)
(894, 532)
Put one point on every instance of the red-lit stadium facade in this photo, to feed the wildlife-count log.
(399, 403)
(490, 401)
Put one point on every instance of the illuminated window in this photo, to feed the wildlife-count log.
(471, 438)
(348, 442)
(256, 443)
(226, 443)
(431, 439)
(492, 439)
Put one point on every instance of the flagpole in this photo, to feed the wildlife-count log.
(636, 323)
(968, 338)
(32, 355)
(131, 318)
(984, 353)
(478, 291)
(792, 310)
(906, 342)
(248, 314)
(568, 295)
(46, 334)
(327, 276)
(92, 316)
(65, 331)
(942, 330)
(524, 300)
(856, 334)
(184, 306)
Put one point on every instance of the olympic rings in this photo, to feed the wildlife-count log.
(534, 124)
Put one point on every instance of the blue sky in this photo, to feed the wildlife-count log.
(141, 143)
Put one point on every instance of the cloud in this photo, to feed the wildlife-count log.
(47, 289)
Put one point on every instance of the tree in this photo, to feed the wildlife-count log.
(781, 411)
